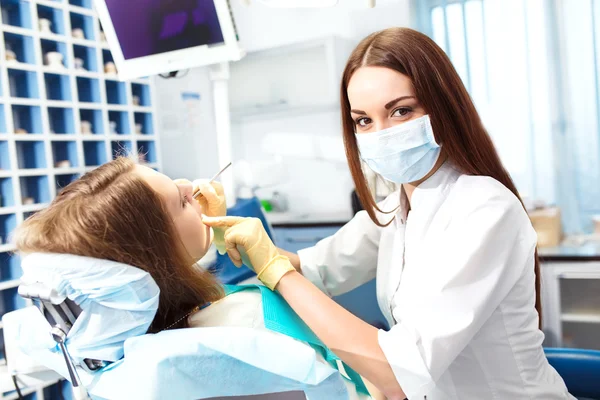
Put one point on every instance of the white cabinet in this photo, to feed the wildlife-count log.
(292, 79)
(571, 304)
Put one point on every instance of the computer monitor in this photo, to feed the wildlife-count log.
(149, 37)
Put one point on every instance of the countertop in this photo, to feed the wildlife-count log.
(295, 219)
(589, 251)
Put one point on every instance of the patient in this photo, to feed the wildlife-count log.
(134, 215)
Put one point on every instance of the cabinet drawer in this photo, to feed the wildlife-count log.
(294, 239)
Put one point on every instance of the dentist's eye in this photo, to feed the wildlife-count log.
(401, 112)
(362, 122)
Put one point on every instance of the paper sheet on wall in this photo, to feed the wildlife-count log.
(183, 113)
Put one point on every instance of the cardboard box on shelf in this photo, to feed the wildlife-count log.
(547, 225)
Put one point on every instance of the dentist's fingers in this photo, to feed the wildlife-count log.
(221, 222)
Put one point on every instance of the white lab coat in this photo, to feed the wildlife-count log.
(455, 280)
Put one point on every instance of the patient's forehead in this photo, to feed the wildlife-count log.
(161, 184)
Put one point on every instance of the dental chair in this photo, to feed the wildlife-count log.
(89, 323)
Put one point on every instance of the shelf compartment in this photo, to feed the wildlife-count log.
(147, 151)
(4, 156)
(8, 223)
(11, 301)
(579, 296)
(16, 13)
(106, 58)
(63, 152)
(63, 180)
(23, 84)
(85, 23)
(94, 153)
(57, 47)
(21, 45)
(119, 123)
(58, 87)
(87, 56)
(116, 92)
(34, 190)
(55, 16)
(142, 92)
(121, 148)
(2, 119)
(27, 118)
(94, 117)
(143, 121)
(81, 3)
(88, 90)
(61, 120)
(10, 267)
(7, 197)
(31, 155)
(581, 335)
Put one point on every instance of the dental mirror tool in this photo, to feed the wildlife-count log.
(195, 196)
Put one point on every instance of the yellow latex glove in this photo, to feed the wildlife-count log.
(213, 204)
(247, 243)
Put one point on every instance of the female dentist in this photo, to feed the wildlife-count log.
(453, 251)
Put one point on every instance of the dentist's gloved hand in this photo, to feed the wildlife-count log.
(212, 200)
(247, 242)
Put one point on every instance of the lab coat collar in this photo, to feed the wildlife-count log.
(432, 188)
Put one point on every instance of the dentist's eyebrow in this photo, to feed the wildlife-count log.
(388, 105)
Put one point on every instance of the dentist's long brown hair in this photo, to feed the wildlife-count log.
(439, 89)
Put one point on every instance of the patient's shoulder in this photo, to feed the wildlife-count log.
(241, 309)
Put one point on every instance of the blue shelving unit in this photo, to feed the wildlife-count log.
(88, 55)
(43, 114)
(28, 118)
(21, 45)
(94, 153)
(10, 300)
(145, 120)
(121, 148)
(7, 196)
(116, 92)
(95, 118)
(120, 121)
(16, 13)
(61, 120)
(4, 156)
(142, 91)
(55, 16)
(36, 188)
(148, 148)
(8, 223)
(2, 119)
(23, 83)
(31, 155)
(88, 90)
(10, 267)
(65, 151)
(58, 87)
(81, 3)
(58, 47)
(60, 181)
(85, 23)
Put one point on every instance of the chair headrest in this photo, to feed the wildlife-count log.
(118, 301)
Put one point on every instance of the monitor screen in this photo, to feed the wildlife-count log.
(149, 27)
(149, 37)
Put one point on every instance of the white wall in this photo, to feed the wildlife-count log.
(325, 186)
(188, 142)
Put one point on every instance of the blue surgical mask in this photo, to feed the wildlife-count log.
(403, 153)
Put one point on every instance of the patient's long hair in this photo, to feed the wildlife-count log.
(111, 213)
